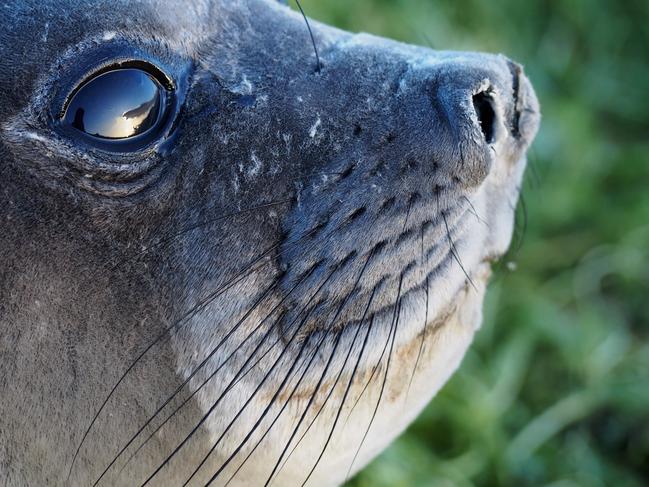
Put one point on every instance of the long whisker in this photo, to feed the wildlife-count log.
(385, 345)
(424, 335)
(394, 325)
(216, 403)
(311, 399)
(473, 210)
(296, 386)
(186, 318)
(290, 397)
(308, 26)
(349, 384)
(367, 334)
(267, 409)
(253, 395)
(238, 378)
(372, 374)
(177, 325)
(338, 312)
(227, 389)
(196, 370)
(424, 331)
(198, 389)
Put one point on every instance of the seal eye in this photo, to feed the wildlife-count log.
(124, 104)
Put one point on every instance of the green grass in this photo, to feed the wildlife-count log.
(555, 391)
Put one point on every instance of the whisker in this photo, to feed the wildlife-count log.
(455, 255)
(227, 389)
(251, 397)
(290, 397)
(474, 212)
(311, 399)
(233, 455)
(217, 402)
(424, 335)
(297, 385)
(322, 376)
(395, 325)
(324, 403)
(308, 26)
(349, 384)
(209, 378)
(177, 325)
(186, 318)
(453, 249)
(201, 365)
(372, 374)
(203, 384)
(196, 370)
(342, 306)
(376, 366)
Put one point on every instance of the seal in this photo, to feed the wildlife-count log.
(226, 260)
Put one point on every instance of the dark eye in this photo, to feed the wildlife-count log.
(126, 104)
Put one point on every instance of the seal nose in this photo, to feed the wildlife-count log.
(485, 113)
(486, 108)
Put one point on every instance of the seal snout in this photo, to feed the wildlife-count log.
(486, 107)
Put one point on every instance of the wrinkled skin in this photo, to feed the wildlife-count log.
(315, 242)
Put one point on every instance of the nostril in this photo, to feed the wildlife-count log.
(484, 109)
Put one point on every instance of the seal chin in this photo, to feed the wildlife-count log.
(422, 364)
(427, 361)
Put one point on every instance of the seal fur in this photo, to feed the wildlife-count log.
(274, 289)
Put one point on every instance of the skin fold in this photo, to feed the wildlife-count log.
(274, 286)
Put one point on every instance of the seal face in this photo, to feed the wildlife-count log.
(221, 263)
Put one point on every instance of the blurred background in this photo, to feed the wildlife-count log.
(555, 390)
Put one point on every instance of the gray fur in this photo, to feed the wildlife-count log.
(359, 167)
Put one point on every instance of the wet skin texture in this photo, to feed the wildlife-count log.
(272, 283)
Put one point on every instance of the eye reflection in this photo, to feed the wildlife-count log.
(118, 104)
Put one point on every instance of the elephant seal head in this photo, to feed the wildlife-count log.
(224, 260)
